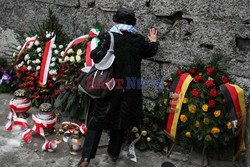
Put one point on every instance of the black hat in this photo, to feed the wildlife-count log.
(125, 16)
(167, 164)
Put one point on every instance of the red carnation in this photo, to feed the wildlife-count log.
(209, 83)
(76, 81)
(32, 89)
(210, 70)
(213, 92)
(67, 88)
(197, 78)
(51, 85)
(75, 89)
(18, 75)
(196, 93)
(192, 70)
(179, 72)
(169, 84)
(224, 79)
(79, 71)
(211, 103)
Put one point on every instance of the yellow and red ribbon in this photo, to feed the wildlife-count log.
(177, 93)
(235, 103)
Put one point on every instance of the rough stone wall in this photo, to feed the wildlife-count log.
(188, 29)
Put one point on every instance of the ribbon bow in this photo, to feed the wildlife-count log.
(39, 126)
(17, 106)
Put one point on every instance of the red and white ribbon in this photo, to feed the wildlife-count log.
(75, 42)
(13, 119)
(91, 45)
(26, 44)
(46, 61)
(17, 106)
(39, 126)
(82, 128)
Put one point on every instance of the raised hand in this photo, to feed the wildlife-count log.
(152, 35)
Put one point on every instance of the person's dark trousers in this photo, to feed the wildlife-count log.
(115, 142)
(92, 140)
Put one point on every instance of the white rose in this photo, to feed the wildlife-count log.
(29, 68)
(30, 45)
(38, 68)
(72, 59)
(54, 79)
(79, 52)
(48, 35)
(53, 59)
(39, 55)
(70, 51)
(66, 58)
(28, 62)
(34, 61)
(54, 72)
(134, 129)
(14, 54)
(54, 46)
(62, 53)
(60, 46)
(52, 64)
(19, 65)
(60, 60)
(148, 139)
(39, 50)
(38, 61)
(22, 62)
(37, 43)
(56, 52)
(27, 39)
(51, 72)
(144, 133)
(78, 59)
(19, 47)
(137, 135)
(26, 57)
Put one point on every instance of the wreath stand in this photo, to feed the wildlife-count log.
(189, 154)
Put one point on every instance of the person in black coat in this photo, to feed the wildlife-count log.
(121, 109)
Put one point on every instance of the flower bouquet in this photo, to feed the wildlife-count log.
(38, 61)
(198, 110)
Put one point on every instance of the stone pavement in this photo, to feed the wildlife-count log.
(16, 153)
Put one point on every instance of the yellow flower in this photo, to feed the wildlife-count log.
(192, 108)
(215, 130)
(197, 124)
(185, 100)
(165, 101)
(206, 121)
(229, 125)
(188, 134)
(217, 113)
(183, 118)
(205, 107)
(208, 138)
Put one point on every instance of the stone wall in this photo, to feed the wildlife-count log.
(188, 29)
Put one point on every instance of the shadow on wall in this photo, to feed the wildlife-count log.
(243, 44)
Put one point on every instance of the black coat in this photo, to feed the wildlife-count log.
(122, 108)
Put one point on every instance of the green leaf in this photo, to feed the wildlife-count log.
(60, 101)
